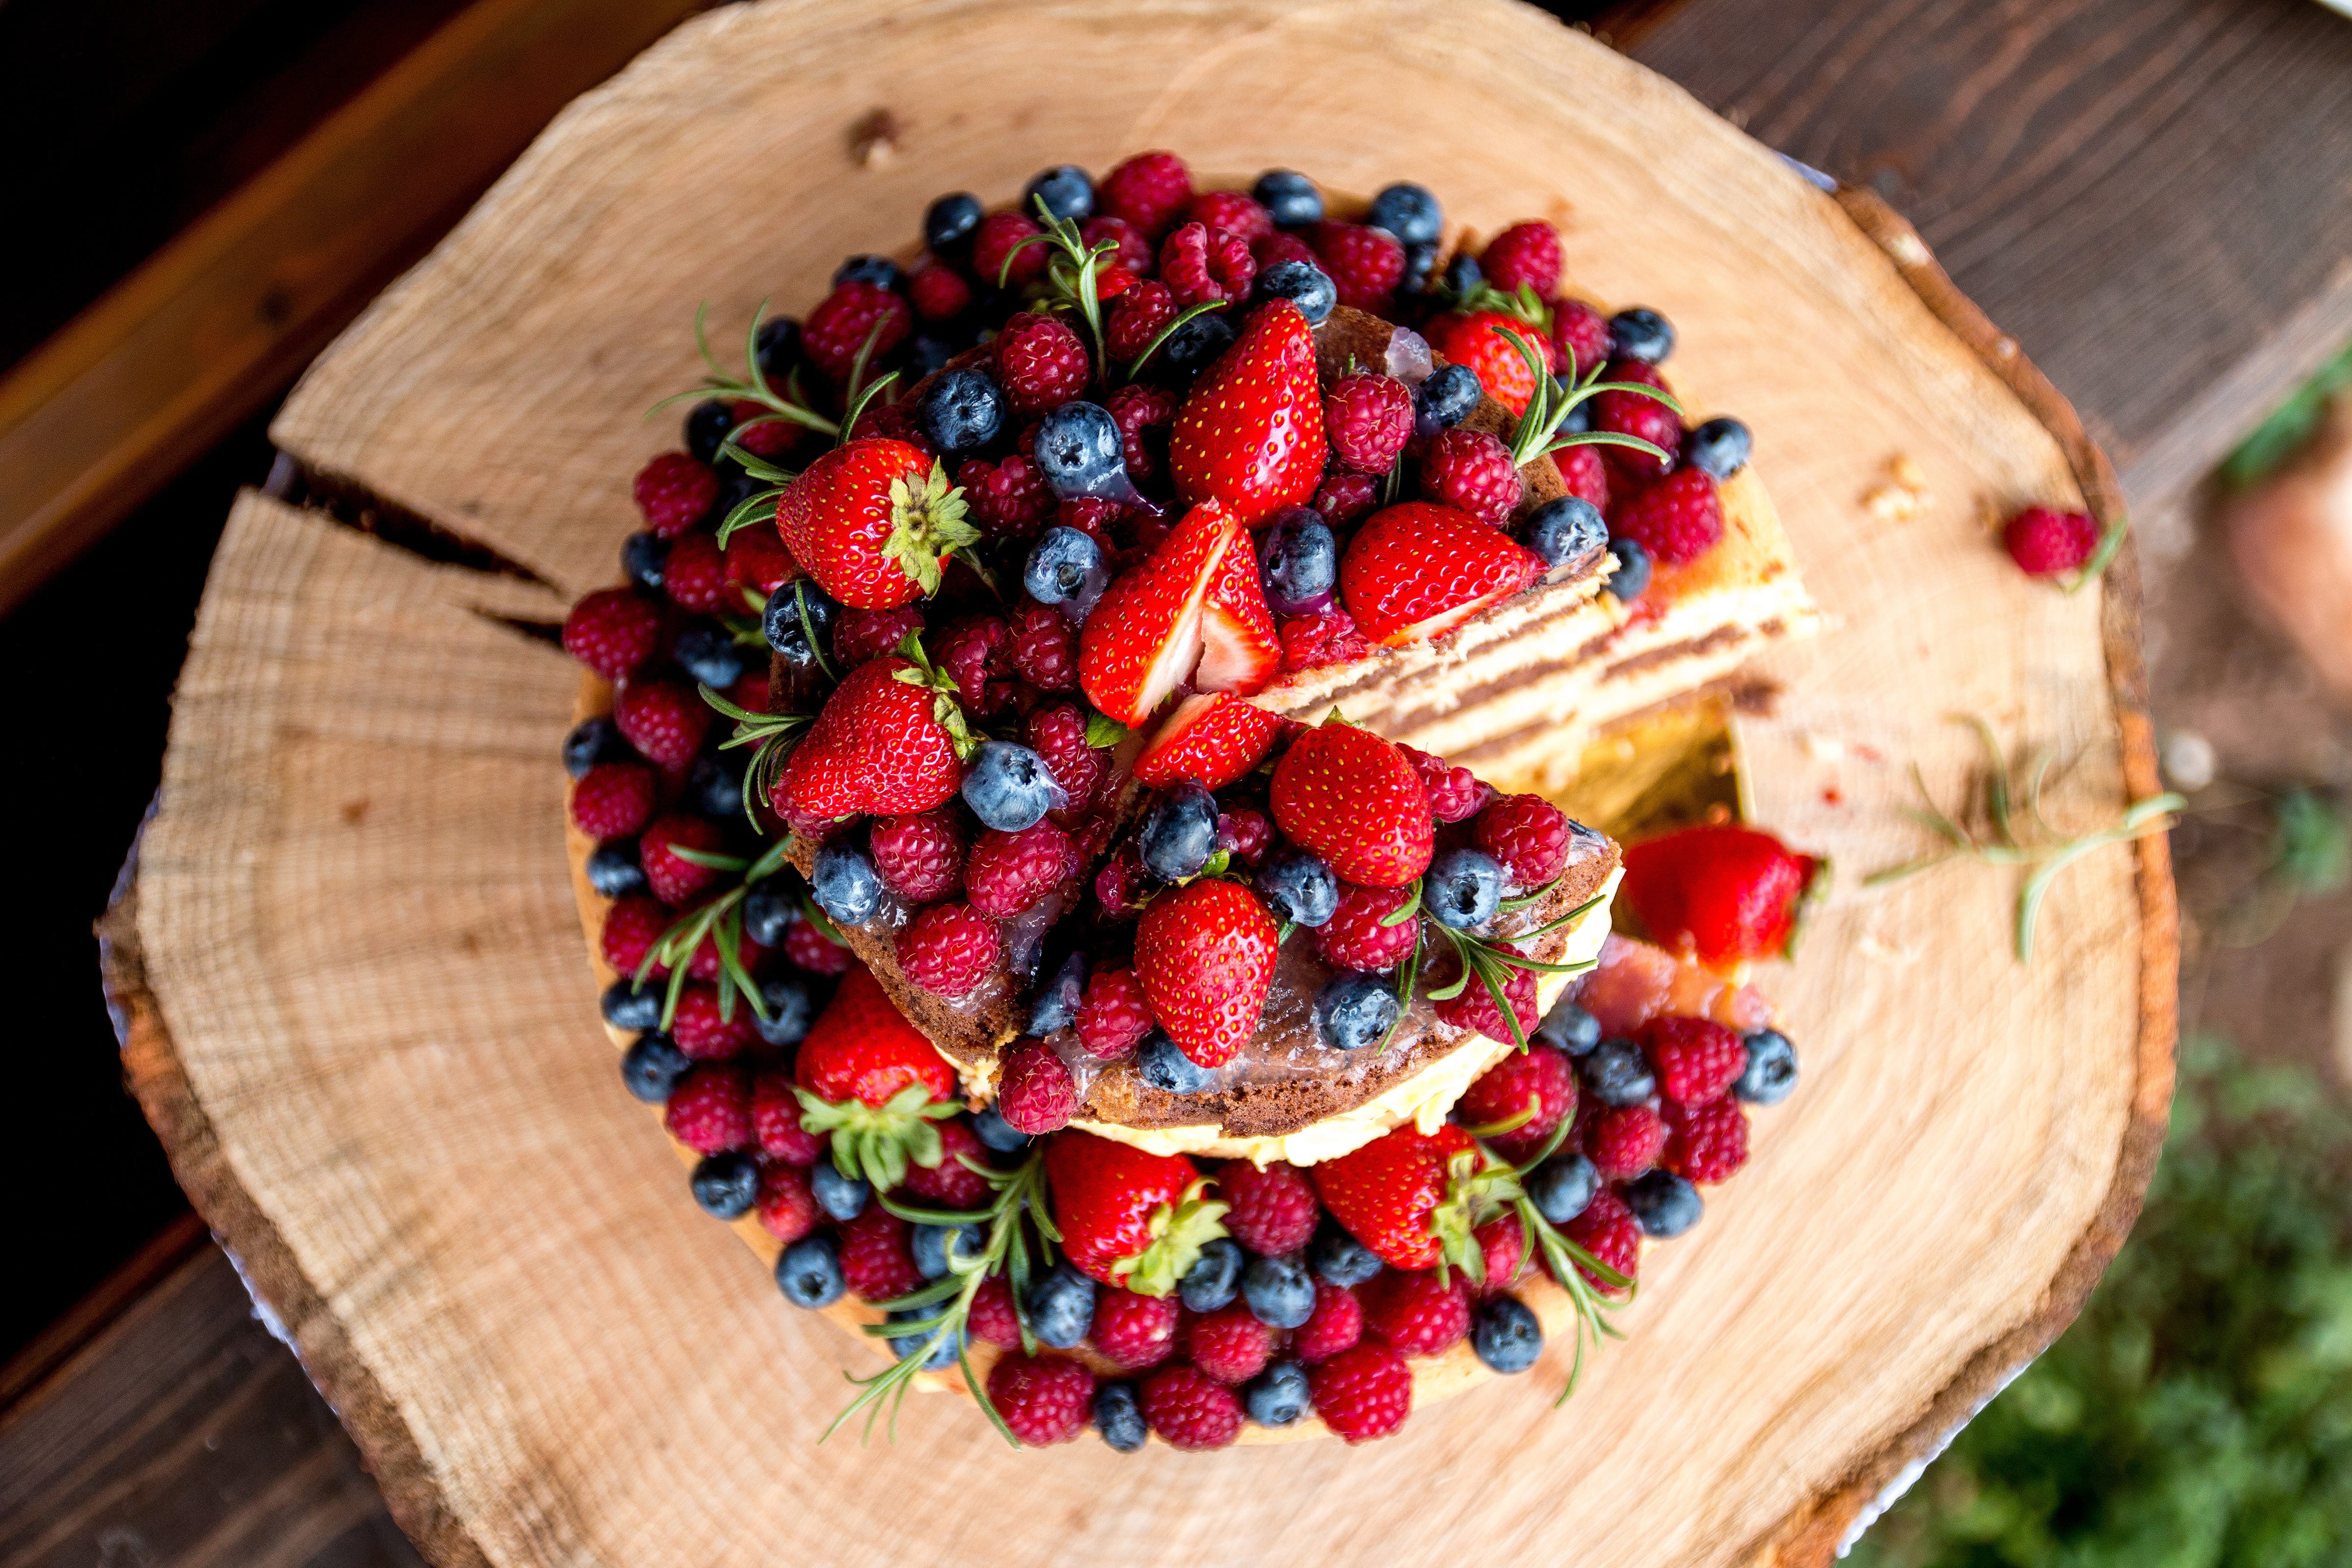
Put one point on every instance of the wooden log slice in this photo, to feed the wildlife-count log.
(349, 964)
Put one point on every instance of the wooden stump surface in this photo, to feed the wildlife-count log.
(358, 1010)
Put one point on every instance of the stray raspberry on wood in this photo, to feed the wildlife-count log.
(2046, 542)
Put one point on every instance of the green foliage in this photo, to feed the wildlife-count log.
(2199, 1413)
(2275, 440)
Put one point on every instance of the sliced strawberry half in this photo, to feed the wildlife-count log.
(1144, 638)
(1240, 650)
(1213, 737)
(1418, 570)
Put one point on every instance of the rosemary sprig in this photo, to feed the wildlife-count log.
(1491, 959)
(721, 920)
(774, 734)
(751, 386)
(1070, 271)
(2040, 845)
(1568, 1263)
(1552, 402)
(1135, 366)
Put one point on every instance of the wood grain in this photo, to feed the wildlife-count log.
(364, 968)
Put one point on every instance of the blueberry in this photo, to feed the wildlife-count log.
(1289, 197)
(1718, 447)
(1165, 1066)
(949, 222)
(725, 1185)
(809, 1272)
(1640, 334)
(1180, 833)
(1055, 1007)
(1061, 1307)
(1339, 1258)
(961, 410)
(1067, 191)
(1569, 529)
(1298, 563)
(1009, 787)
(845, 884)
(1632, 578)
(778, 344)
(1065, 564)
(994, 1132)
(1118, 1418)
(1579, 418)
(1562, 1187)
(1354, 1010)
(1299, 887)
(931, 1243)
(1279, 1396)
(1407, 211)
(1617, 1073)
(613, 869)
(790, 1010)
(1194, 346)
(1463, 888)
(1420, 269)
(1771, 1069)
(706, 424)
(842, 1198)
(1215, 1277)
(1569, 1028)
(1664, 1205)
(926, 354)
(879, 270)
(1463, 276)
(798, 621)
(1506, 1334)
(1302, 283)
(1446, 398)
(943, 1347)
(652, 1065)
(772, 904)
(627, 1007)
(1080, 452)
(643, 556)
(710, 654)
(1280, 1290)
(593, 741)
(714, 787)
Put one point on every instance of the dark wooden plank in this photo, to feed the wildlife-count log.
(2153, 196)
(186, 1435)
(91, 1316)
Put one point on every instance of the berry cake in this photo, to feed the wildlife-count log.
(994, 819)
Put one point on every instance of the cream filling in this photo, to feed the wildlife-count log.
(1423, 1099)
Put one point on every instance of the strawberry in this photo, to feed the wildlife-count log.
(875, 1083)
(1240, 650)
(1205, 954)
(1144, 636)
(1487, 342)
(1722, 894)
(886, 742)
(1354, 799)
(872, 522)
(1127, 1217)
(1417, 570)
(1213, 737)
(1250, 433)
(1416, 1198)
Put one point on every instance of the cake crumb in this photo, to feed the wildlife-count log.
(874, 140)
(1904, 496)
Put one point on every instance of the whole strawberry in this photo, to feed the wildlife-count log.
(874, 1083)
(1417, 570)
(1205, 954)
(878, 746)
(1414, 1198)
(1722, 894)
(873, 522)
(1488, 342)
(1129, 1218)
(1250, 433)
(1354, 799)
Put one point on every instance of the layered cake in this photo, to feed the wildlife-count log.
(1024, 820)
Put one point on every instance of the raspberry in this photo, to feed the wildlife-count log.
(1625, 1140)
(1045, 647)
(1148, 190)
(674, 491)
(1706, 1143)
(1335, 1325)
(710, 1109)
(810, 949)
(897, 422)
(750, 692)
(1042, 1400)
(1200, 264)
(843, 320)
(704, 962)
(1501, 1250)
(1236, 212)
(1092, 516)
(1676, 519)
(1246, 834)
(1112, 1016)
(1309, 642)
(1008, 498)
(1034, 1092)
(1190, 1410)
(1363, 1392)
(674, 878)
(1057, 732)
(1277, 249)
(1354, 938)
(1009, 873)
(664, 720)
(1134, 252)
(994, 1319)
(1119, 884)
(694, 576)
(949, 949)
(1272, 1211)
(1412, 1309)
(1580, 335)
(1696, 1058)
(921, 857)
(612, 800)
(1454, 793)
(1230, 1344)
(952, 1183)
(771, 438)
(1369, 418)
(631, 926)
(1344, 497)
(994, 241)
(2042, 541)
(1633, 413)
(1134, 1332)
(1474, 1008)
(1607, 1231)
(1584, 474)
(1525, 253)
(776, 1121)
(699, 1030)
(1539, 1074)
(757, 559)
(612, 632)
(939, 292)
(1528, 835)
(1365, 263)
(1141, 314)
(786, 1203)
(875, 1258)
(977, 653)
(860, 635)
(1143, 414)
(1472, 470)
(1040, 363)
